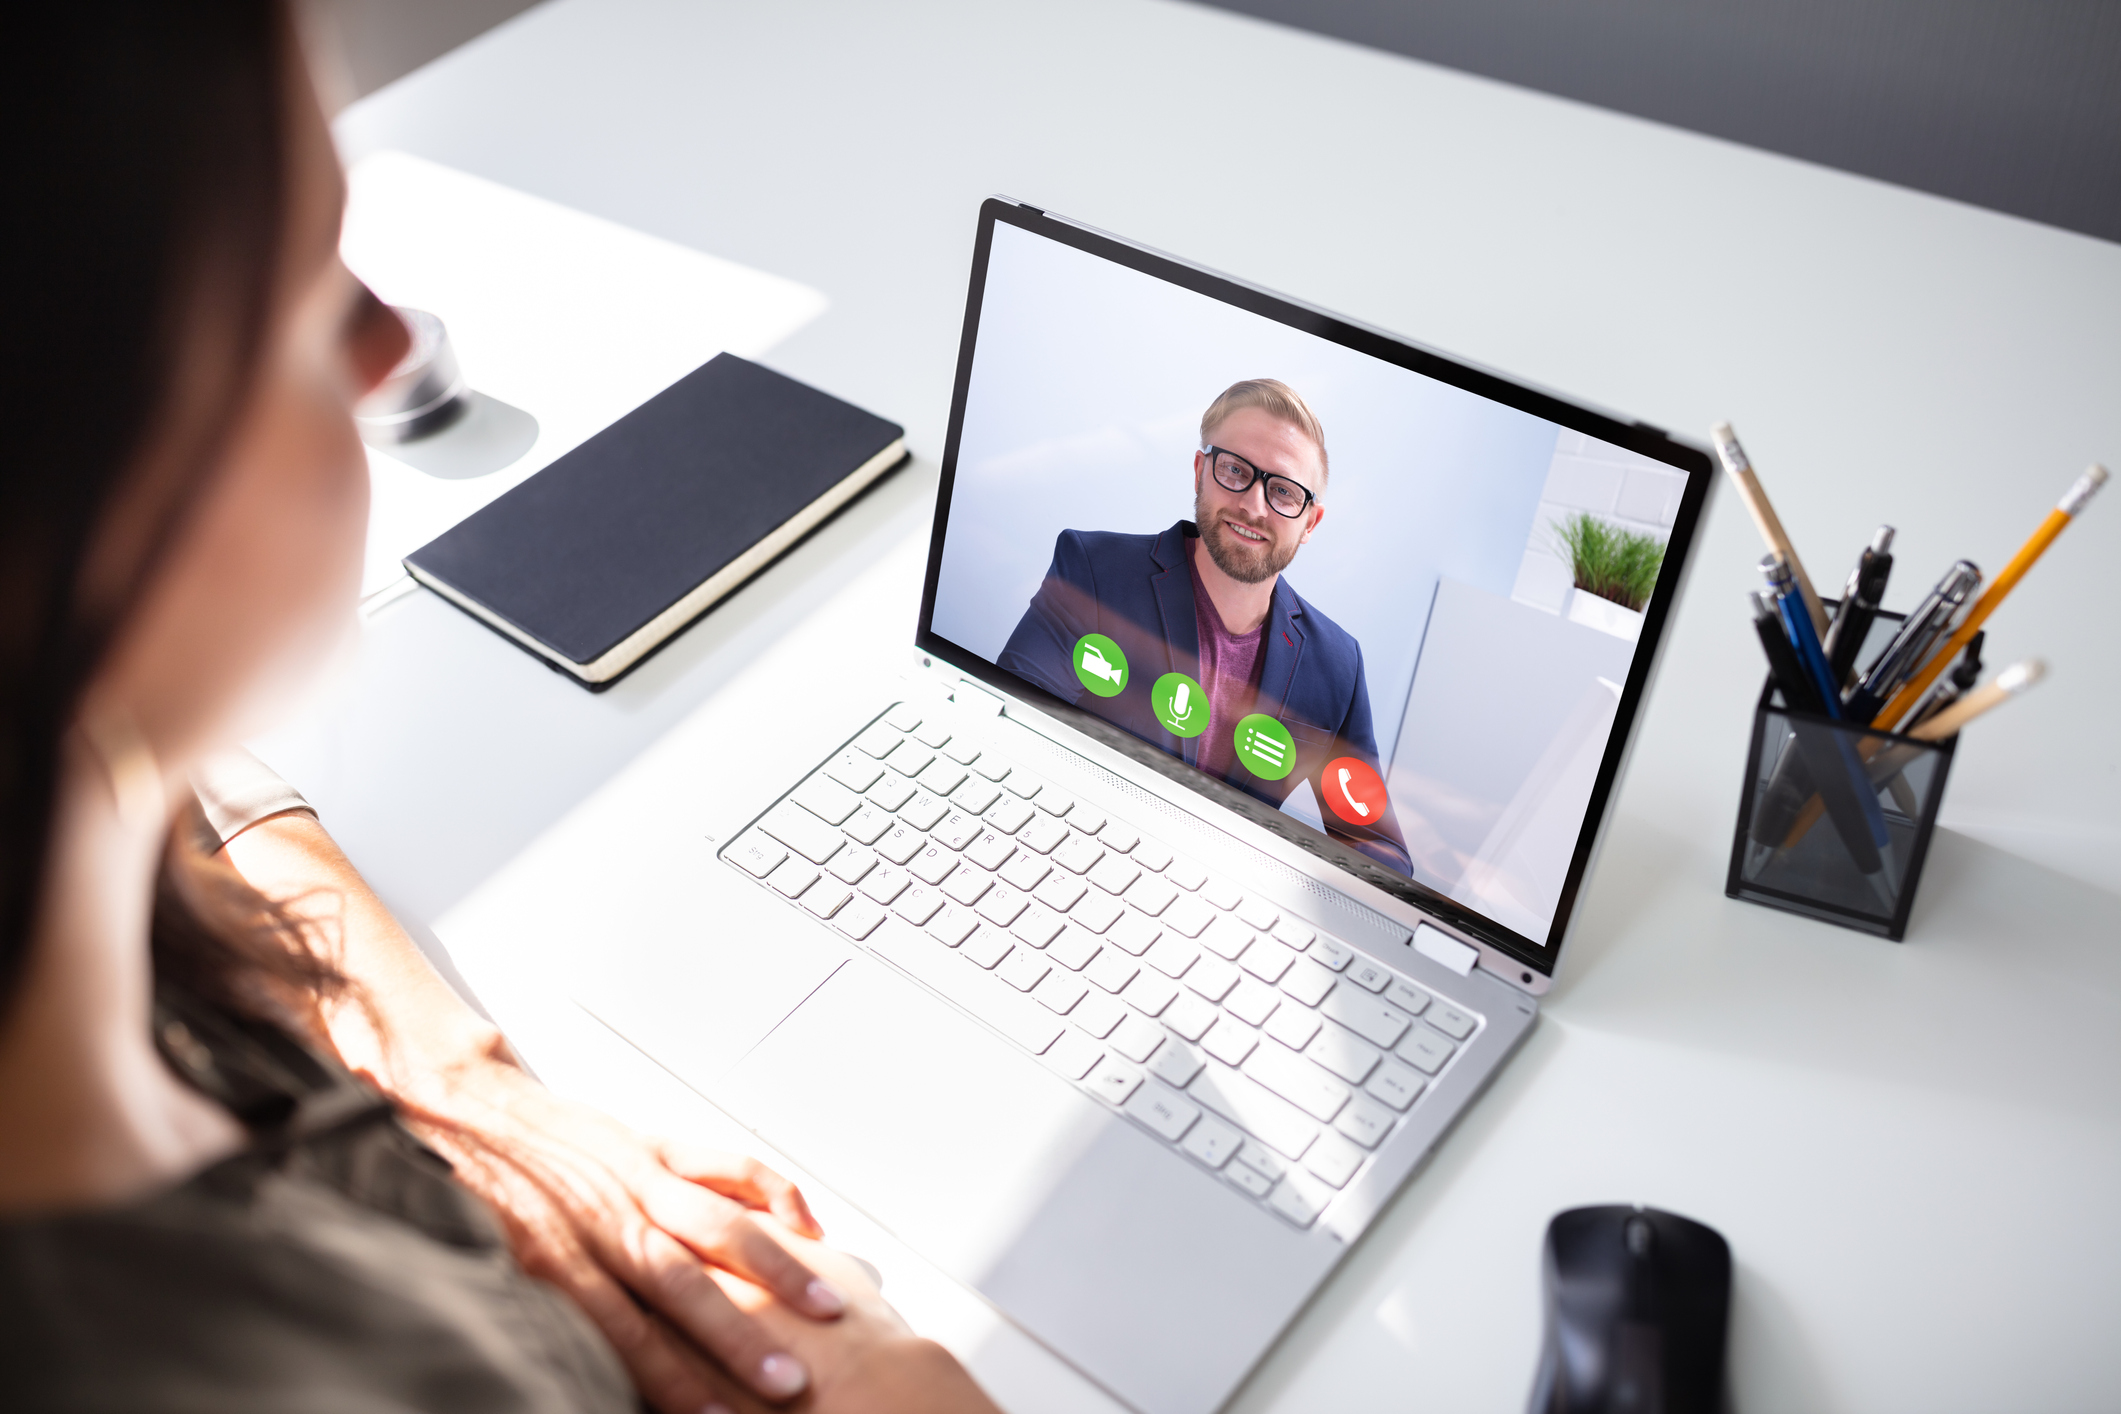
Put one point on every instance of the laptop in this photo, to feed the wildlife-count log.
(1128, 954)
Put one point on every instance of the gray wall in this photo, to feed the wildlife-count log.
(2009, 104)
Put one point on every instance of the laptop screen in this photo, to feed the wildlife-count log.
(1395, 608)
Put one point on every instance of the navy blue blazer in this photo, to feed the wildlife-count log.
(1138, 591)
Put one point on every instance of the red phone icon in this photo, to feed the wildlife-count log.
(1353, 792)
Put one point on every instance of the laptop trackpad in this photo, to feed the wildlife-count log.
(1150, 1274)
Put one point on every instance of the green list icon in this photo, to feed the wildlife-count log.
(1100, 664)
(1179, 704)
(1265, 747)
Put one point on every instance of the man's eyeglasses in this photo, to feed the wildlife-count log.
(1236, 475)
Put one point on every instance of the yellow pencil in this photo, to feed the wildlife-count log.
(2065, 511)
(1740, 469)
(2005, 685)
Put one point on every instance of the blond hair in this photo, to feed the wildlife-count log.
(1274, 398)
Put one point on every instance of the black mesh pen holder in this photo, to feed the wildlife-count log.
(1835, 819)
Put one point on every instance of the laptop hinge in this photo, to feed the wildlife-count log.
(976, 697)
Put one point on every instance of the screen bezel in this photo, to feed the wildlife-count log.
(1653, 442)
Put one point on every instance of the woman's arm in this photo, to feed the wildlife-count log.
(625, 1225)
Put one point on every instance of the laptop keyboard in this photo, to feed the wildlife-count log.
(1256, 1045)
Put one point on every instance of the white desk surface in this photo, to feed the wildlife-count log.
(1914, 1150)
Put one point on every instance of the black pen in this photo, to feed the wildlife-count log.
(1903, 656)
(1859, 607)
(1798, 692)
(1963, 675)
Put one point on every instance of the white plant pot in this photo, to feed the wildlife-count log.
(1594, 611)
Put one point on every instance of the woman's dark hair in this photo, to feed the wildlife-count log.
(146, 161)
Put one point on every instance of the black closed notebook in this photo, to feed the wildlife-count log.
(601, 557)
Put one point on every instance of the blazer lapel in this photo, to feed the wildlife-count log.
(1285, 650)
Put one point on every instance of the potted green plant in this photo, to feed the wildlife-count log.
(1615, 571)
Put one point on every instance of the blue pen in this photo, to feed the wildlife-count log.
(1798, 624)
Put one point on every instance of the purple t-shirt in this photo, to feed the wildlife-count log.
(1230, 668)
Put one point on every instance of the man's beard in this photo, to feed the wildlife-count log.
(1242, 560)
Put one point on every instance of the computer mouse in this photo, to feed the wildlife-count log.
(1637, 1306)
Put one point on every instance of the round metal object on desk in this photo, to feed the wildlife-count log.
(423, 394)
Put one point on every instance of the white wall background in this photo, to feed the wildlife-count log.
(1618, 485)
(1084, 412)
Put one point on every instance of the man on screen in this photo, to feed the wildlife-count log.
(1206, 599)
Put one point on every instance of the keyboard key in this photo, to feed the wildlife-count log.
(1331, 952)
(1004, 1008)
(933, 864)
(1424, 1050)
(1406, 996)
(1267, 960)
(825, 898)
(1054, 801)
(966, 886)
(802, 832)
(1229, 1040)
(1001, 905)
(1188, 915)
(1370, 976)
(1253, 1108)
(1118, 837)
(1151, 895)
(1258, 912)
(1293, 1026)
(859, 918)
(1136, 1037)
(1072, 1055)
(1343, 1053)
(1112, 970)
(1365, 1015)
(1212, 978)
(1097, 912)
(955, 926)
(1252, 1001)
(1113, 873)
(983, 946)
(1222, 893)
(1060, 892)
(757, 855)
(886, 883)
(792, 877)
(1260, 1159)
(991, 766)
(910, 759)
(1023, 969)
(1133, 932)
(1024, 869)
(1172, 955)
(850, 864)
(1113, 1082)
(1097, 1013)
(1175, 1063)
(1295, 932)
(892, 791)
(868, 824)
(1333, 1159)
(1256, 1184)
(901, 844)
(1298, 1081)
(1061, 991)
(1166, 1114)
(1038, 926)
(1023, 783)
(957, 829)
(1190, 1016)
(1184, 873)
(1079, 855)
(932, 733)
(1364, 1121)
(1086, 820)
(1009, 814)
(1227, 937)
(903, 715)
(1149, 993)
(1212, 1142)
(1396, 1085)
(1307, 982)
(961, 750)
(1074, 948)
(918, 904)
(855, 770)
(1152, 854)
(1451, 1021)
(878, 740)
(1298, 1199)
(1042, 833)
(976, 795)
(923, 811)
